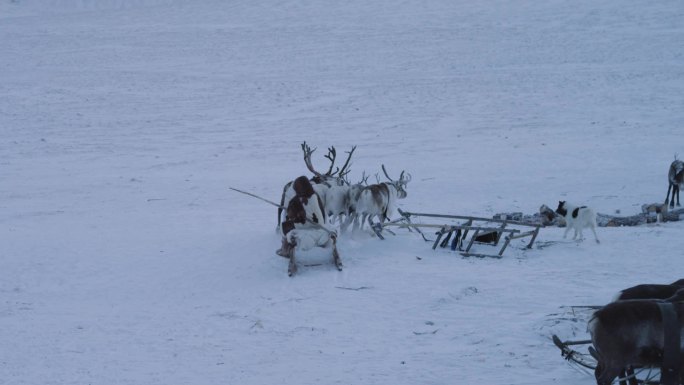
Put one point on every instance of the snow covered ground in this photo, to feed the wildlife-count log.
(125, 259)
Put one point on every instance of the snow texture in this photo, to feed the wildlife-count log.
(127, 260)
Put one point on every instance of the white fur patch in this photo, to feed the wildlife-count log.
(308, 238)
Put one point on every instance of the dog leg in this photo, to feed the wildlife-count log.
(595, 236)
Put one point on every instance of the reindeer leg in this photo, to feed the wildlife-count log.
(567, 229)
(606, 375)
(292, 266)
(632, 379)
(345, 225)
(362, 221)
(623, 374)
(336, 255)
(676, 188)
(667, 197)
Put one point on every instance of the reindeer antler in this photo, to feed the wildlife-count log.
(407, 179)
(307, 159)
(403, 180)
(386, 175)
(332, 155)
(346, 167)
(364, 179)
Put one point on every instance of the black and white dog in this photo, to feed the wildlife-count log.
(577, 218)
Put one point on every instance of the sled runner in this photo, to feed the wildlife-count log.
(487, 231)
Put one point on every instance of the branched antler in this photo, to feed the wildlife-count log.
(346, 168)
(332, 155)
(307, 159)
(403, 180)
(364, 179)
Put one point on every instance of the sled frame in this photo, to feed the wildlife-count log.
(477, 225)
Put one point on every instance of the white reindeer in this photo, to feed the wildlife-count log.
(352, 199)
(380, 200)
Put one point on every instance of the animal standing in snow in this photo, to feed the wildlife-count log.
(675, 177)
(380, 200)
(305, 227)
(353, 195)
(634, 333)
(577, 218)
(332, 186)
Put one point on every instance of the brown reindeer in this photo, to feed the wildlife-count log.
(631, 333)
(650, 291)
(304, 227)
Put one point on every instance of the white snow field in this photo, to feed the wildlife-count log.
(126, 259)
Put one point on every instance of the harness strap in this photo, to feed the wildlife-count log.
(669, 372)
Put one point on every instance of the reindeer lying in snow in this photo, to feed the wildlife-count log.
(640, 332)
(305, 227)
(380, 200)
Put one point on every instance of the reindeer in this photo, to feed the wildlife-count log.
(380, 199)
(331, 186)
(304, 227)
(675, 177)
(650, 291)
(353, 195)
(631, 333)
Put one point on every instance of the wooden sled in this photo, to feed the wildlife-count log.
(487, 231)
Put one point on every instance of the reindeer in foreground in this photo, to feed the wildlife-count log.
(635, 333)
(650, 291)
(304, 227)
(381, 199)
(675, 177)
(331, 186)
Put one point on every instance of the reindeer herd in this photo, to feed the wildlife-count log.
(313, 205)
(633, 331)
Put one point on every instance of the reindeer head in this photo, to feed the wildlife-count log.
(336, 177)
(399, 185)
